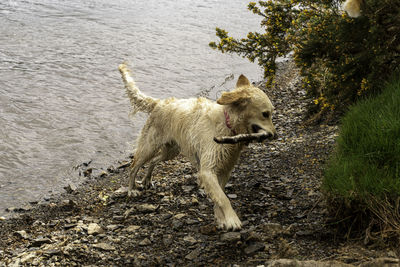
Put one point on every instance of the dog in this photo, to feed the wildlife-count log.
(353, 7)
(188, 126)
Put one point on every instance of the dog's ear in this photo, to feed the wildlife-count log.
(242, 81)
(236, 97)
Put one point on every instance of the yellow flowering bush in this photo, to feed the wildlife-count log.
(341, 58)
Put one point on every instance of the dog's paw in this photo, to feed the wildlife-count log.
(133, 193)
(231, 223)
(147, 184)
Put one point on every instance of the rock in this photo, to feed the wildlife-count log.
(382, 262)
(167, 240)
(187, 188)
(120, 193)
(208, 229)
(2, 218)
(53, 252)
(27, 258)
(88, 172)
(230, 237)
(143, 208)
(272, 229)
(94, 229)
(253, 248)
(176, 225)
(69, 226)
(193, 255)
(190, 239)
(146, 208)
(113, 227)
(132, 228)
(68, 204)
(70, 188)
(104, 246)
(21, 234)
(118, 217)
(179, 216)
(190, 221)
(194, 201)
(232, 196)
(124, 164)
(40, 241)
(12, 209)
(145, 242)
(311, 263)
(250, 236)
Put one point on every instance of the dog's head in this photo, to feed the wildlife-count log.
(252, 106)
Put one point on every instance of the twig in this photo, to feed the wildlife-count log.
(259, 137)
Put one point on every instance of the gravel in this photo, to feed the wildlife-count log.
(274, 189)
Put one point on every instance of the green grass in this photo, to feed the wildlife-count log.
(367, 158)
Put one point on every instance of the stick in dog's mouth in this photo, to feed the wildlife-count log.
(259, 137)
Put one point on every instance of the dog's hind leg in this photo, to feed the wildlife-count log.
(167, 152)
(143, 155)
(225, 215)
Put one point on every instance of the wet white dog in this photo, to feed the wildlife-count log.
(188, 126)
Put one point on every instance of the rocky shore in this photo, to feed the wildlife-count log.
(274, 189)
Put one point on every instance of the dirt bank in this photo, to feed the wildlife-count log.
(274, 189)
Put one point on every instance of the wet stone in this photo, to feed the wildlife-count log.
(145, 242)
(194, 254)
(120, 193)
(70, 188)
(104, 246)
(40, 241)
(253, 248)
(94, 229)
(230, 237)
(21, 234)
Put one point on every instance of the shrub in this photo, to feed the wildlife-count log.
(341, 58)
(363, 174)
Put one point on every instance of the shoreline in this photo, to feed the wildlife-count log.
(274, 188)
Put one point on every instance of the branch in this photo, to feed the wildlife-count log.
(259, 137)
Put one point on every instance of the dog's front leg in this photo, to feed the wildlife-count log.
(225, 215)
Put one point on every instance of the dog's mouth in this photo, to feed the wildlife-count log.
(255, 128)
(258, 130)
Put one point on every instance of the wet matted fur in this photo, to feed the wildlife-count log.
(188, 126)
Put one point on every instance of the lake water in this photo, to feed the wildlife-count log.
(62, 101)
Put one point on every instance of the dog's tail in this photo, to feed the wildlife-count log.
(139, 101)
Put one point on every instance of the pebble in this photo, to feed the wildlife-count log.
(179, 216)
(70, 188)
(232, 196)
(40, 241)
(146, 208)
(104, 246)
(145, 242)
(120, 193)
(132, 228)
(113, 227)
(21, 234)
(253, 248)
(94, 229)
(194, 254)
(230, 237)
(190, 239)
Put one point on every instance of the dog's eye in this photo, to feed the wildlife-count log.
(266, 114)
